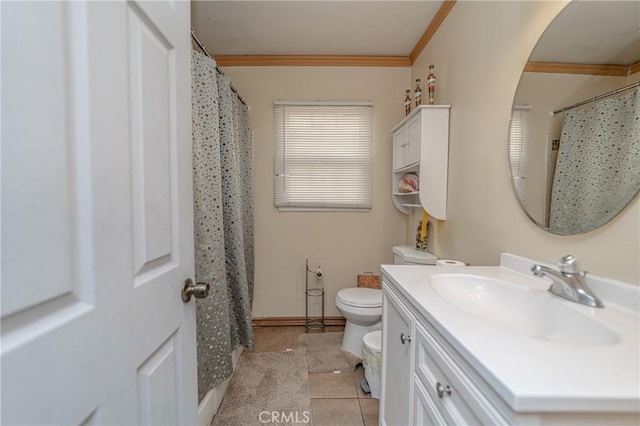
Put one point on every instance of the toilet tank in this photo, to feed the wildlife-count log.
(409, 255)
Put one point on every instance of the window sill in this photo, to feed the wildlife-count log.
(325, 209)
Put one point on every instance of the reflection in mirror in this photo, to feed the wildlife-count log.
(574, 135)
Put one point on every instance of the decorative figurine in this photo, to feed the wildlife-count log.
(407, 102)
(431, 84)
(418, 93)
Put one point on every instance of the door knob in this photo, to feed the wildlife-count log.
(199, 290)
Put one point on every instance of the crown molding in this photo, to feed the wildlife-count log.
(589, 69)
(311, 61)
(437, 20)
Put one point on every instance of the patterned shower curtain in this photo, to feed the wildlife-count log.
(223, 219)
(597, 165)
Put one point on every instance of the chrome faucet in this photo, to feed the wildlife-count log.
(569, 283)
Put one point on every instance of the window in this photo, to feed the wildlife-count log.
(518, 134)
(323, 155)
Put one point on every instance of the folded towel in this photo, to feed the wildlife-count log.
(409, 183)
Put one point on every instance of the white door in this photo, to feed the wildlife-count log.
(97, 232)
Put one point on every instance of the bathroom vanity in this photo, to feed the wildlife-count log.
(490, 345)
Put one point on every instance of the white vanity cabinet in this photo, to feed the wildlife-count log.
(430, 376)
(422, 384)
(397, 358)
(445, 392)
(421, 146)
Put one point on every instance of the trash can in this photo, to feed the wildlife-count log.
(372, 361)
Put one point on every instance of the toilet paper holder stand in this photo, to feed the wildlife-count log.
(312, 294)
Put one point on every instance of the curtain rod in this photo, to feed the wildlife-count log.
(204, 50)
(613, 92)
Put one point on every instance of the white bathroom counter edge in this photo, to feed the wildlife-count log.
(560, 378)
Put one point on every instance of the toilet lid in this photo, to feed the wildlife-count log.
(361, 297)
(411, 255)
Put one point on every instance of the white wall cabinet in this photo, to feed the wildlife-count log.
(421, 146)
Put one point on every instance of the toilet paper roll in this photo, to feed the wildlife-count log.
(447, 262)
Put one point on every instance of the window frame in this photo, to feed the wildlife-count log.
(328, 163)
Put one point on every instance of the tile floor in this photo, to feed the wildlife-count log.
(336, 398)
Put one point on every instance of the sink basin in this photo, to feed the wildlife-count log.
(526, 311)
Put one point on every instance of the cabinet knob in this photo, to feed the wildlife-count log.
(442, 390)
(404, 339)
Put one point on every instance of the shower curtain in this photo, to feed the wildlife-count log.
(597, 165)
(223, 221)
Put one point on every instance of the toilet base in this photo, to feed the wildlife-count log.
(353, 334)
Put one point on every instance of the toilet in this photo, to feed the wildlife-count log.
(409, 255)
(362, 307)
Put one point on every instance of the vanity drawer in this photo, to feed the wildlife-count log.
(425, 409)
(460, 401)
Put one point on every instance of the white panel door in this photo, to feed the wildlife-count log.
(97, 222)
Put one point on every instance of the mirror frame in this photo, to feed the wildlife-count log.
(561, 69)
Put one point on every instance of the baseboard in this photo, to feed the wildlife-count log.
(212, 400)
(293, 321)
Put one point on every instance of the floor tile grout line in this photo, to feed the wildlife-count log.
(361, 412)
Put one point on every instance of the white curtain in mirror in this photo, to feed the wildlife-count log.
(598, 164)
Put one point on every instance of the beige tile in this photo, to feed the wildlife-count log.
(271, 339)
(332, 385)
(358, 376)
(295, 333)
(336, 412)
(214, 421)
(370, 409)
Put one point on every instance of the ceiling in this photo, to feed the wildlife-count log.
(588, 32)
(593, 32)
(363, 28)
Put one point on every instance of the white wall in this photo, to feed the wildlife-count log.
(344, 244)
(479, 53)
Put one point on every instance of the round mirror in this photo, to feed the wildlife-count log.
(574, 134)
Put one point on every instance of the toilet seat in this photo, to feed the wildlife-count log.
(360, 297)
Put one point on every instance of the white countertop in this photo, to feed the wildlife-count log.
(530, 374)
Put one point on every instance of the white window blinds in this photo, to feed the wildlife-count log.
(323, 155)
(518, 134)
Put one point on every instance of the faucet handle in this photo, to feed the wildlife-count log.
(569, 265)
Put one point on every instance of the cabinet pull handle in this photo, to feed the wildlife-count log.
(404, 339)
(442, 390)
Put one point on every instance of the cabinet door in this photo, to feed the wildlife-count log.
(400, 148)
(397, 359)
(414, 140)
